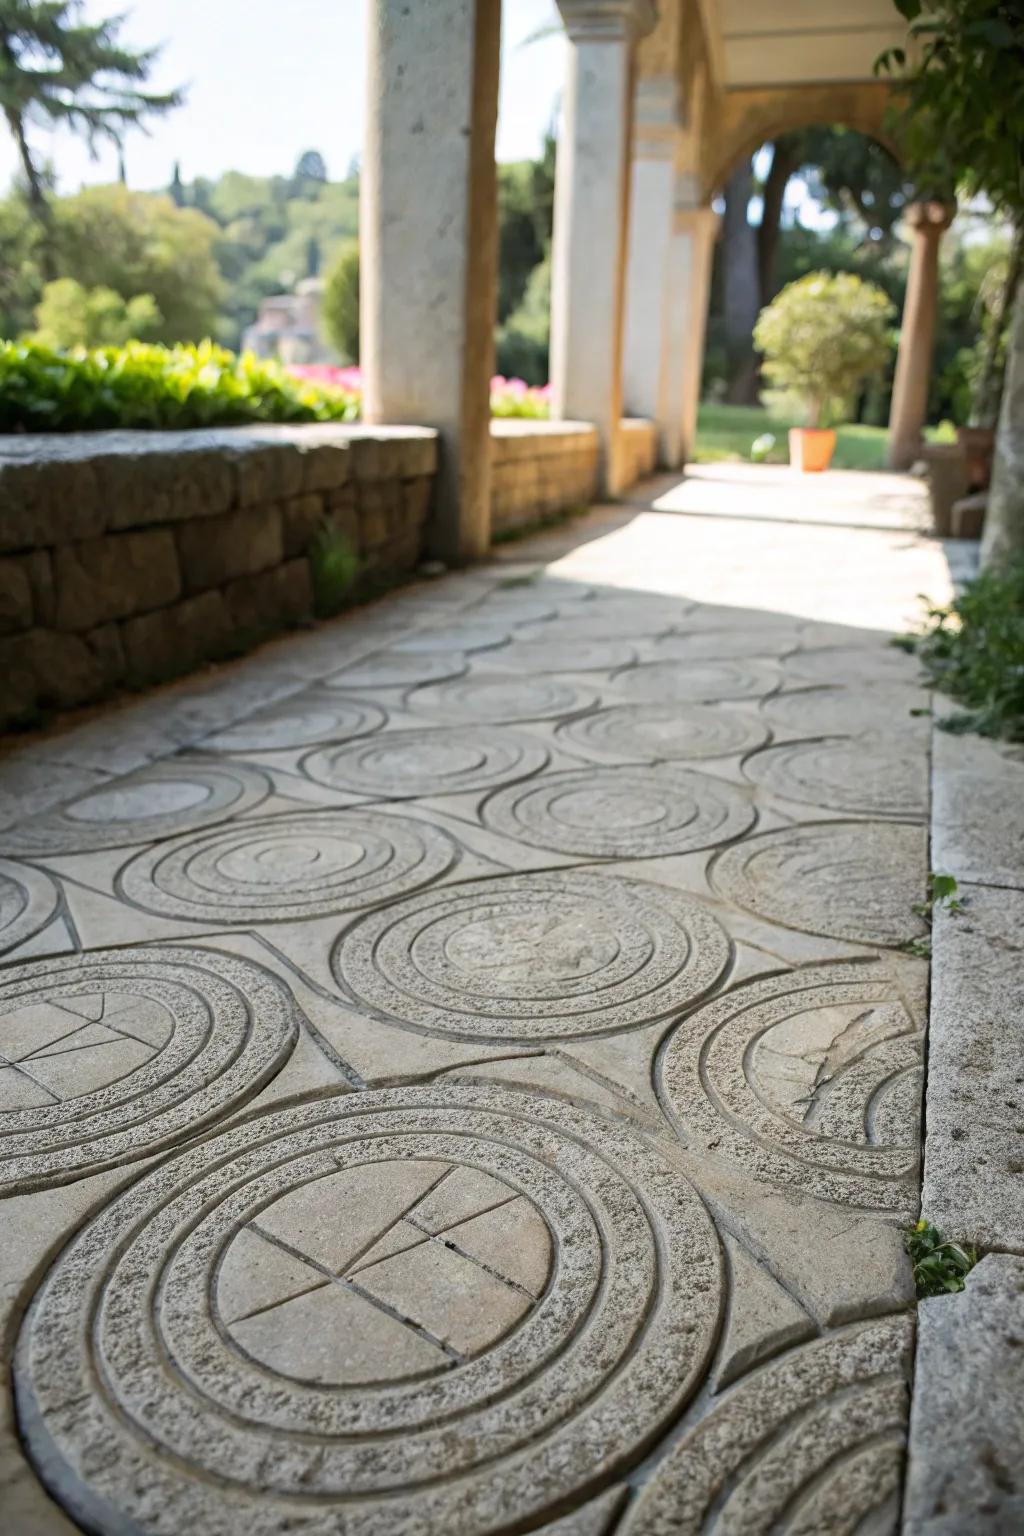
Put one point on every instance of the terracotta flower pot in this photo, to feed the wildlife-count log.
(979, 445)
(811, 448)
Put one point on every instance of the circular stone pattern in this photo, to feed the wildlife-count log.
(786, 1076)
(452, 637)
(299, 721)
(106, 1057)
(860, 665)
(848, 711)
(427, 762)
(500, 700)
(398, 669)
(535, 956)
(565, 656)
(653, 732)
(178, 795)
(878, 778)
(715, 645)
(287, 867)
(621, 812)
(410, 1309)
(28, 900)
(697, 682)
(853, 880)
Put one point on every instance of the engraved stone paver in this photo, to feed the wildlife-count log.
(524, 1146)
(427, 762)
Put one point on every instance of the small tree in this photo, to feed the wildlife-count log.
(69, 315)
(341, 301)
(823, 337)
(58, 68)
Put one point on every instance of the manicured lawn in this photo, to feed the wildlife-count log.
(727, 431)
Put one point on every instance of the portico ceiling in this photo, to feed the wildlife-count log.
(756, 43)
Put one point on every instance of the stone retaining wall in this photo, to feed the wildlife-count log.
(540, 469)
(130, 557)
(126, 558)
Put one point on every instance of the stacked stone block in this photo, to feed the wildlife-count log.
(540, 470)
(126, 558)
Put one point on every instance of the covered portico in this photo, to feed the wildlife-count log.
(660, 102)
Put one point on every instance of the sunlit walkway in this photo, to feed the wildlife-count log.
(461, 1066)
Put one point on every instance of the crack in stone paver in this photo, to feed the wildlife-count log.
(647, 1269)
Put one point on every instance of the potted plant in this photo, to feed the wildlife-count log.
(822, 338)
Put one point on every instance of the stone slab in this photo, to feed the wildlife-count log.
(974, 1159)
(978, 811)
(966, 1463)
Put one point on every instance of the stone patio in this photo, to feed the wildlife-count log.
(462, 1065)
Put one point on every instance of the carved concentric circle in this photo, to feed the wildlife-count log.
(605, 812)
(652, 732)
(813, 1443)
(374, 1396)
(497, 700)
(859, 665)
(178, 795)
(787, 1075)
(533, 956)
(105, 1057)
(28, 900)
(847, 711)
(287, 867)
(715, 645)
(441, 638)
(301, 720)
(699, 682)
(877, 777)
(428, 762)
(510, 607)
(399, 669)
(565, 656)
(856, 880)
(592, 624)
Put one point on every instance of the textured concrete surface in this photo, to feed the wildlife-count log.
(461, 1067)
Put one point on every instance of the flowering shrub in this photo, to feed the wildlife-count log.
(514, 397)
(509, 397)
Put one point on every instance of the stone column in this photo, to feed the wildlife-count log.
(651, 270)
(693, 245)
(428, 233)
(591, 217)
(927, 222)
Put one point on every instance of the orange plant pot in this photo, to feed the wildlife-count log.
(811, 448)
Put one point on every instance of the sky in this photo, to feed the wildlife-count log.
(266, 80)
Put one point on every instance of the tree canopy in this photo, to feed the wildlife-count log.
(58, 68)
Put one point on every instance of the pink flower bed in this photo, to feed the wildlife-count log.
(509, 397)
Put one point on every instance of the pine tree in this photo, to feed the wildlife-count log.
(57, 68)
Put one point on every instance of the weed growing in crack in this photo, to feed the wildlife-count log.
(942, 897)
(940, 1266)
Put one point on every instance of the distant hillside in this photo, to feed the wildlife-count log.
(274, 230)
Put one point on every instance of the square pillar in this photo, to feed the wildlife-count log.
(650, 266)
(428, 236)
(695, 230)
(591, 217)
(909, 409)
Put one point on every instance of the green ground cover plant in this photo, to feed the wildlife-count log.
(940, 1266)
(973, 649)
(142, 385)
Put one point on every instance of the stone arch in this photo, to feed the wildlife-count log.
(739, 122)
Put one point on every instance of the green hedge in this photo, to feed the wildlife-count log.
(140, 385)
